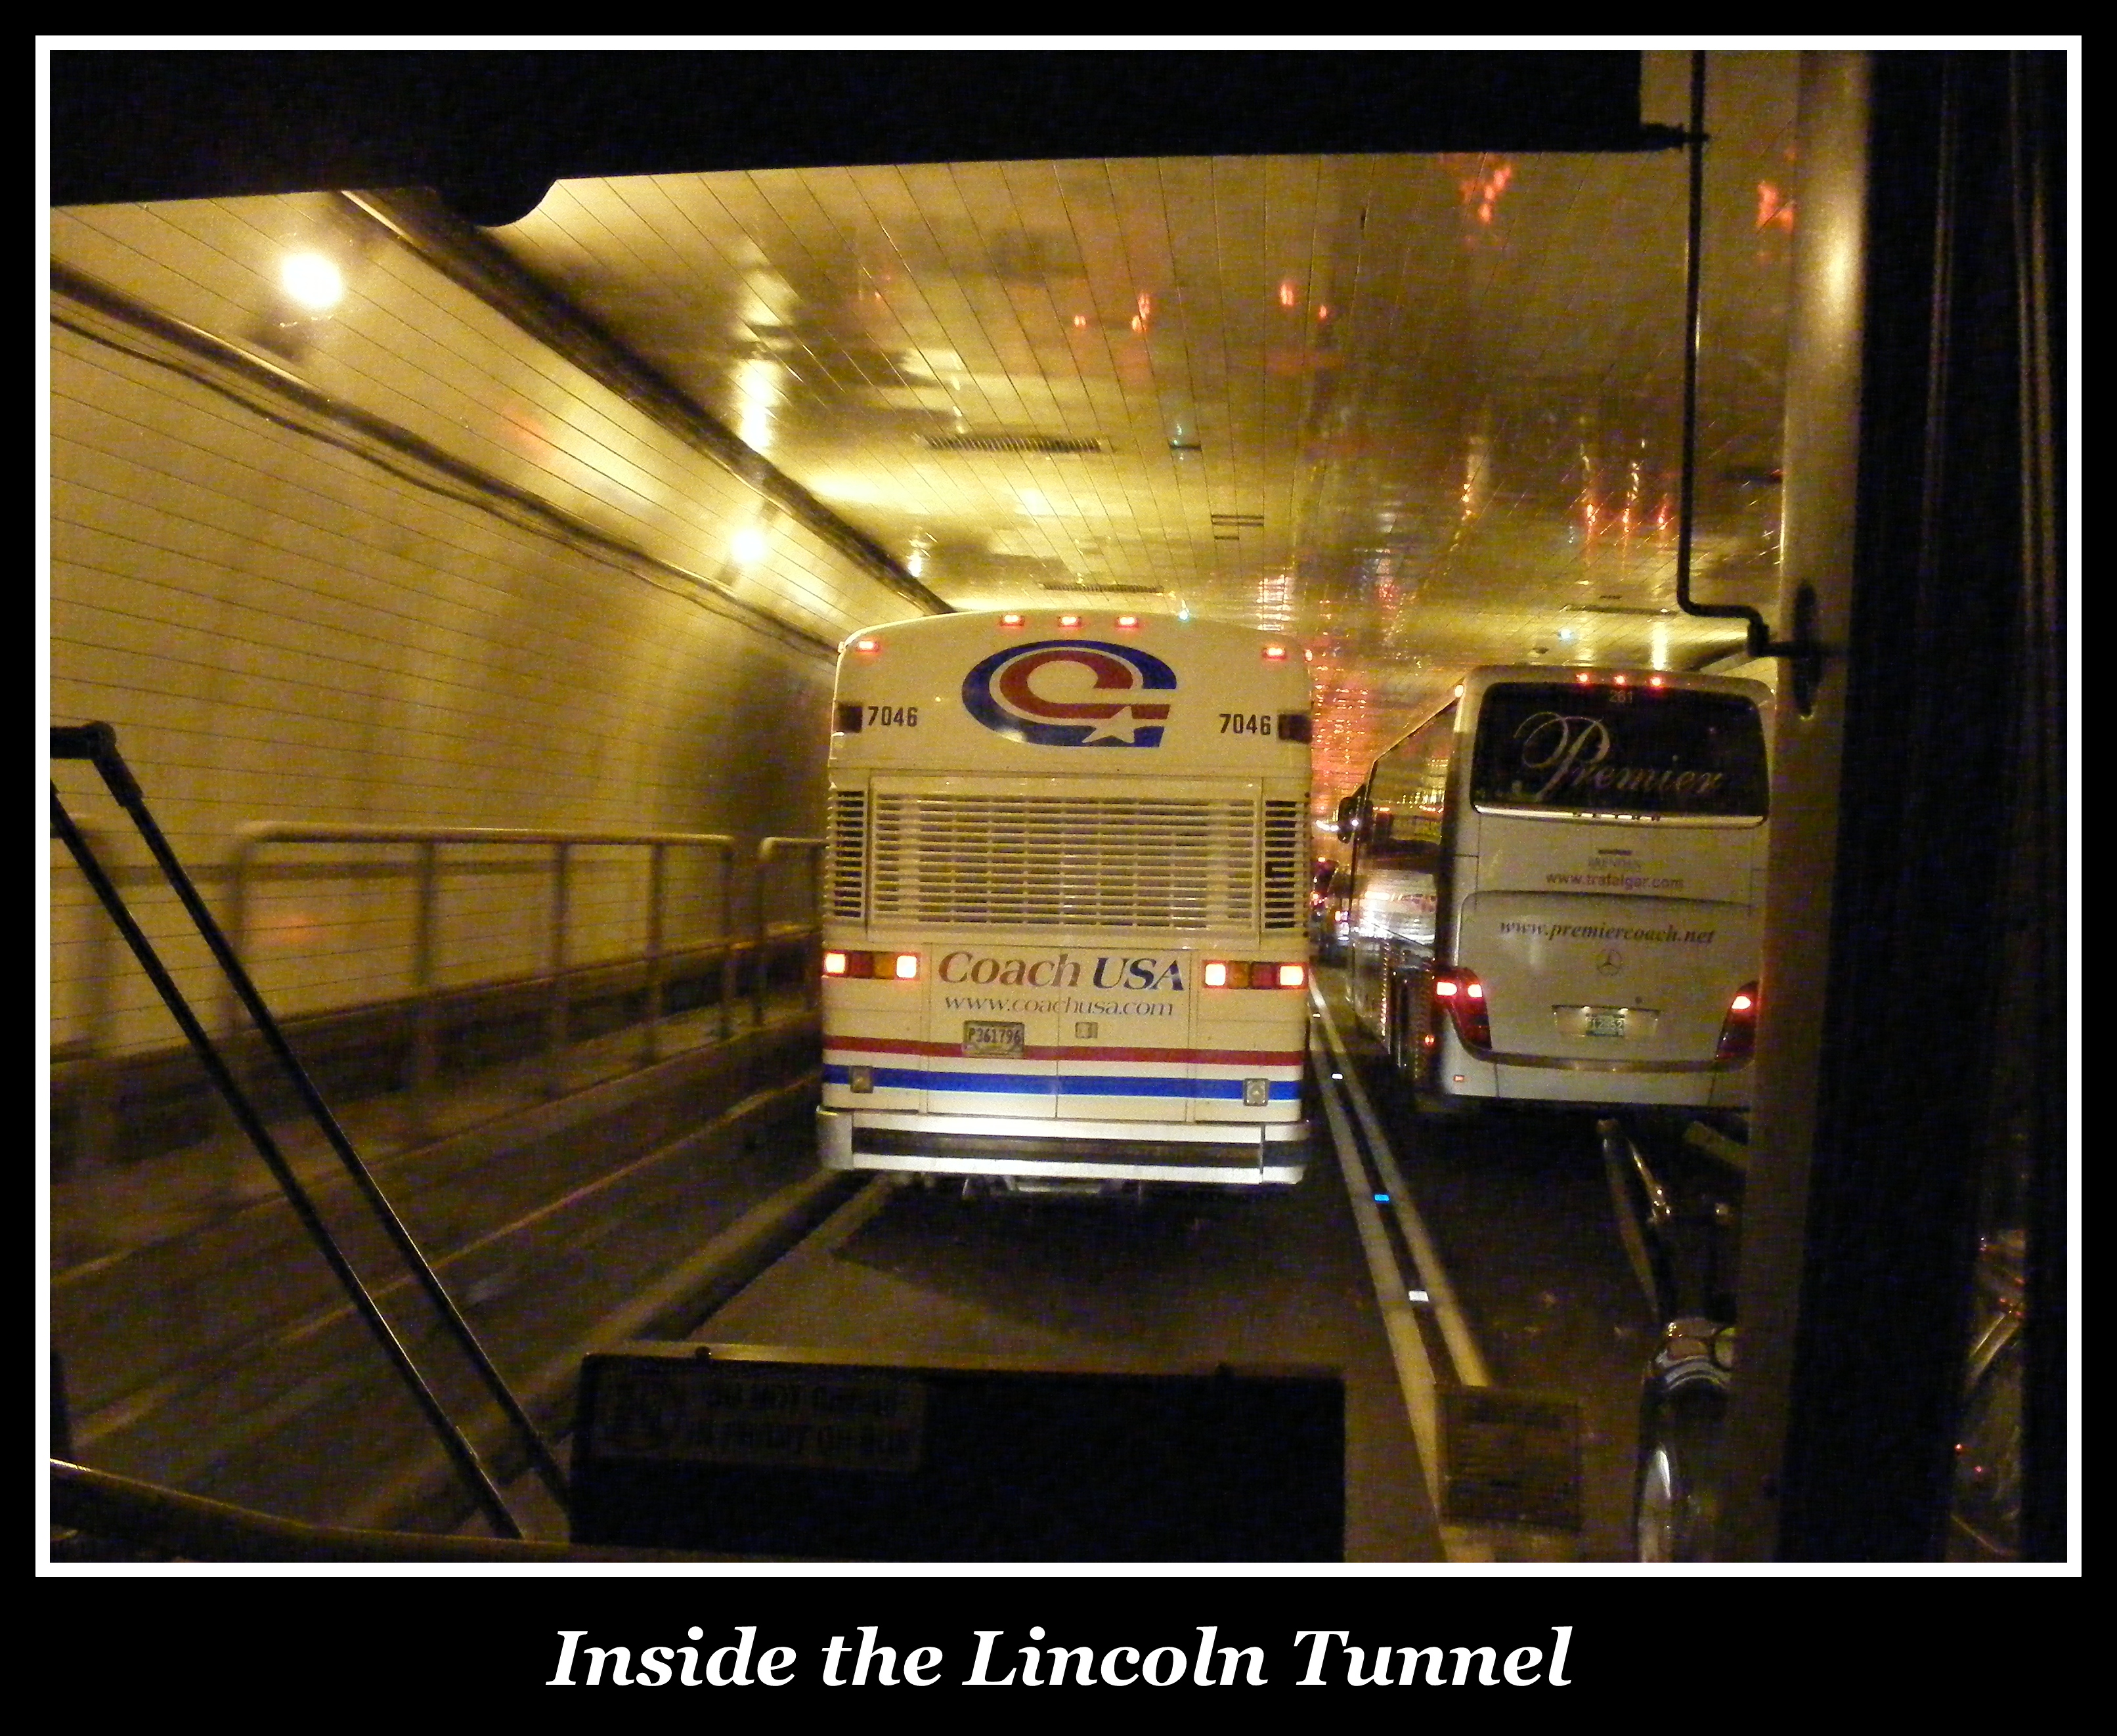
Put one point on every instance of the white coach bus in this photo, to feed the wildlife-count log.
(1065, 918)
(1558, 889)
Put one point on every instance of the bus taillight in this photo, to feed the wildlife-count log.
(1463, 995)
(1252, 973)
(1738, 1031)
(904, 966)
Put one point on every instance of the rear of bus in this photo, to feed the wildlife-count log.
(1604, 889)
(1064, 933)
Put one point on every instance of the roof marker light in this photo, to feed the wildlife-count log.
(1127, 620)
(1275, 653)
(1069, 621)
(1010, 620)
(868, 646)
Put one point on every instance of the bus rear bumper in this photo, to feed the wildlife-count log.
(1217, 1154)
(1696, 1085)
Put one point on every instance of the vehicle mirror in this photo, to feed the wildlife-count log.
(1349, 816)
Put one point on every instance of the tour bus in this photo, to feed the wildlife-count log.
(1064, 924)
(1558, 890)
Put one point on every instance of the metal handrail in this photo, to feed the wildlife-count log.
(561, 841)
(766, 850)
(97, 743)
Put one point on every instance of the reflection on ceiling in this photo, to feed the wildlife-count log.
(1422, 411)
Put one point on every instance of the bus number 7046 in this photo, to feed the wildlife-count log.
(1246, 723)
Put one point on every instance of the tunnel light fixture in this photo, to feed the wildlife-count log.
(311, 282)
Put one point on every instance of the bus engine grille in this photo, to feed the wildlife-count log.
(1111, 862)
(1285, 833)
(848, 846)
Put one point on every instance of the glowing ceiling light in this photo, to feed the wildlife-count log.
(313, 281)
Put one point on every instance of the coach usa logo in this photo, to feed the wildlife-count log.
(1072, 693)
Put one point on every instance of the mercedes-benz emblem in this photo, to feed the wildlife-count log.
(1611, 962)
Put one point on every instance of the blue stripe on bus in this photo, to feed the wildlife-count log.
(1079, 1084)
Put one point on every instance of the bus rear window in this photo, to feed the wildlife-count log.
(1611, 749)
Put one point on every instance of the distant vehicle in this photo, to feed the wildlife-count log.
(1557, 889)
(1064, 933)
(1328, 918)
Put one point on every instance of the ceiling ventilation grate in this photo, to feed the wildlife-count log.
(1046, 445)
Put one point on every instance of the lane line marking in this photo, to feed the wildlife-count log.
(1414, 1370)
(1463, 1351)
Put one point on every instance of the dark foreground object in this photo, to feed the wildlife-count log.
(736, 1449)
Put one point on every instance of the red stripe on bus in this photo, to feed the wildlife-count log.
(1031, 1051)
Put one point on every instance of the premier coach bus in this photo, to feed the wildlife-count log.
(1558, 889)
(1065, 917)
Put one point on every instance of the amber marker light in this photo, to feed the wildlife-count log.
(907, 966)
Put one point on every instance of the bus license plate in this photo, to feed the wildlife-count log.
(1606, 1021)
(983, 1038)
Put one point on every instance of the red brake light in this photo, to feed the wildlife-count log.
(1463, 995)
(1738, 1031)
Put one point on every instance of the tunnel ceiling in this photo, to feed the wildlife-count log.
(1422, 412)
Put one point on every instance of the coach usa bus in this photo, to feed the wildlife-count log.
(1065, 916)
(1558, 890)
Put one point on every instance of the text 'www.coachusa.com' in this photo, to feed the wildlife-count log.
(993, 1657)
(1606, 931)
(1067, 1004)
